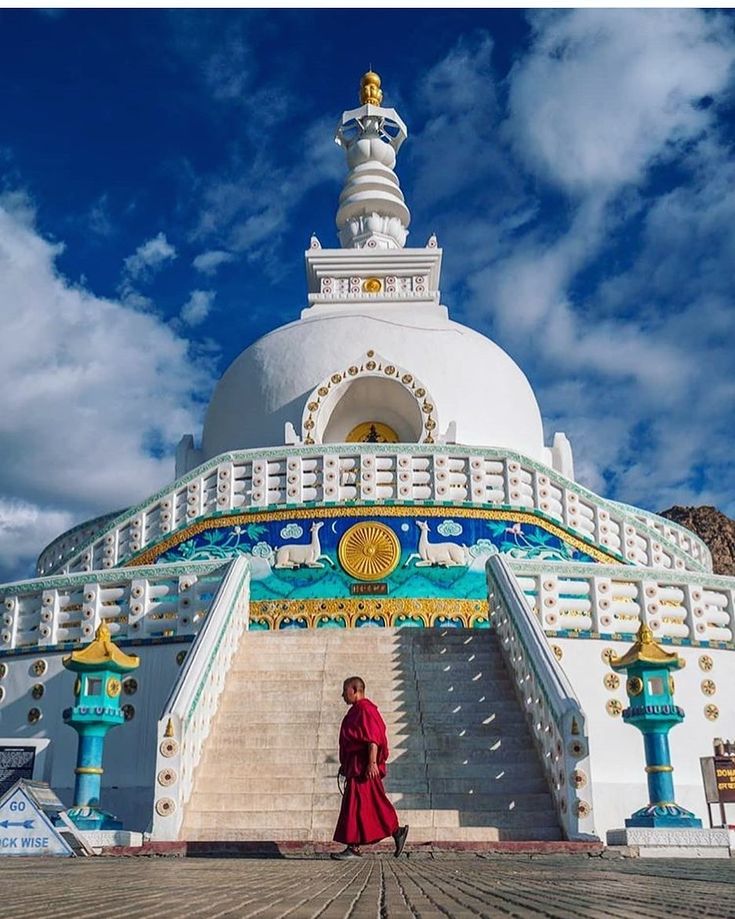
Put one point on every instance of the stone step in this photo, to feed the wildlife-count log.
(492, 782)
(417, 835)
(478, 804)
(226, 820)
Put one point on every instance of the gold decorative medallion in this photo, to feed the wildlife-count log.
(709, 687)
(37, 690)
(711, 712)
(113, 687)
(607, 654)
(611, 681)
(372, 285)
(558, 653)
(634, 686)
(165, 807)
(578, 779)
(372, 432)
(614, 708)
(583, 809)
(38, 668)
(167, 777)
(169, 748)
(369, 551)
(3, 670)
(128, 712)
(130, 686)
(34, 715)
(706, 663)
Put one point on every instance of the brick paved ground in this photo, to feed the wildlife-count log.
(456, 886)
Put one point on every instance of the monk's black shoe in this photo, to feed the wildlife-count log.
(399, 837)
(349, 852)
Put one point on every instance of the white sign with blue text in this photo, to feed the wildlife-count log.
(25, 829)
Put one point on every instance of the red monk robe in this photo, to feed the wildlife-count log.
(366, 816)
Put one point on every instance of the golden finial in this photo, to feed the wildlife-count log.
(370, 91)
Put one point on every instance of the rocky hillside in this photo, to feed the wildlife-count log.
(717, 530)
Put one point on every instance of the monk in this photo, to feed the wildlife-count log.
(366, 816)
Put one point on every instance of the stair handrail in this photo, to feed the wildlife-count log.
(187, 716)
(556, 719)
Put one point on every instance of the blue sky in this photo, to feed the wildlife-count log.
(162, 171)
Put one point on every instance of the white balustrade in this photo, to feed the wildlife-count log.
(153, 602)
(249, 480)
(601, 599)
(553, 712)
(190, 709)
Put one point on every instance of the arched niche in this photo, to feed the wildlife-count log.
(372, 390)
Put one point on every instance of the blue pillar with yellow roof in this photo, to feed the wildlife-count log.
(650, 688)
(99, 666)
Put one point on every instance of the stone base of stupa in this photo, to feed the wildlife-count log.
(687, 842)
(103, 839)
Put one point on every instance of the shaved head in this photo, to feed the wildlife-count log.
(356, 683)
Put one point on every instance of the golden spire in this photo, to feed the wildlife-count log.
(370, 91)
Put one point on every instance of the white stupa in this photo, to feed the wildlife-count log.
(372, 489)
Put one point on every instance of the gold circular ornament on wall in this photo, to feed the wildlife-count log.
(128, 712)
(711, 712)
(169, 747)
(167, 777)
(3, 670)
(369, 551)
(34, 715)
(709, 687)
(130, 686)
(583, 808)
(558, 653)
(634, 686)
(38, 668)
(614, 707)
(37, 690)
(372, 432)
(165, 807)
(607, 654)
(180, 657)
(706, 663)
(611, 681)
(113, 687)
(372, 285)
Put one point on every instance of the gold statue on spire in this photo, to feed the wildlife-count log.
(370, 91)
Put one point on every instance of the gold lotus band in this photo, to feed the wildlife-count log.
(89, 770)
(659, 768)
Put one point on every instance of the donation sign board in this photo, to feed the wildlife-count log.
(725, 778)
(16, 762)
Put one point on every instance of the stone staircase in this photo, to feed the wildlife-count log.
(462, 764)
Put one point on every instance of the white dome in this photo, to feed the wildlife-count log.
(470, 380)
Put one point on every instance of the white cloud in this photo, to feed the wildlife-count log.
(149, 257)
(208, 262)
(604, 92)
(25, 529)
(618, 303)
(95, 395)
(197, 307)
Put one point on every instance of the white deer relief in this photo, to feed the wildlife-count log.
(309, 554)
(445, 554)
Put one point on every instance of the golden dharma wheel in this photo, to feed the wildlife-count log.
(369, 551)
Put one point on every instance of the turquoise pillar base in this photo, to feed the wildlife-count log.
(93, 818)
(663, 816)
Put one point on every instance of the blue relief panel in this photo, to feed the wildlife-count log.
(297, 558)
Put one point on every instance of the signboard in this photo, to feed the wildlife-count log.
(25, 829)
(725, 778)
(369, 587)
(16, 762)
